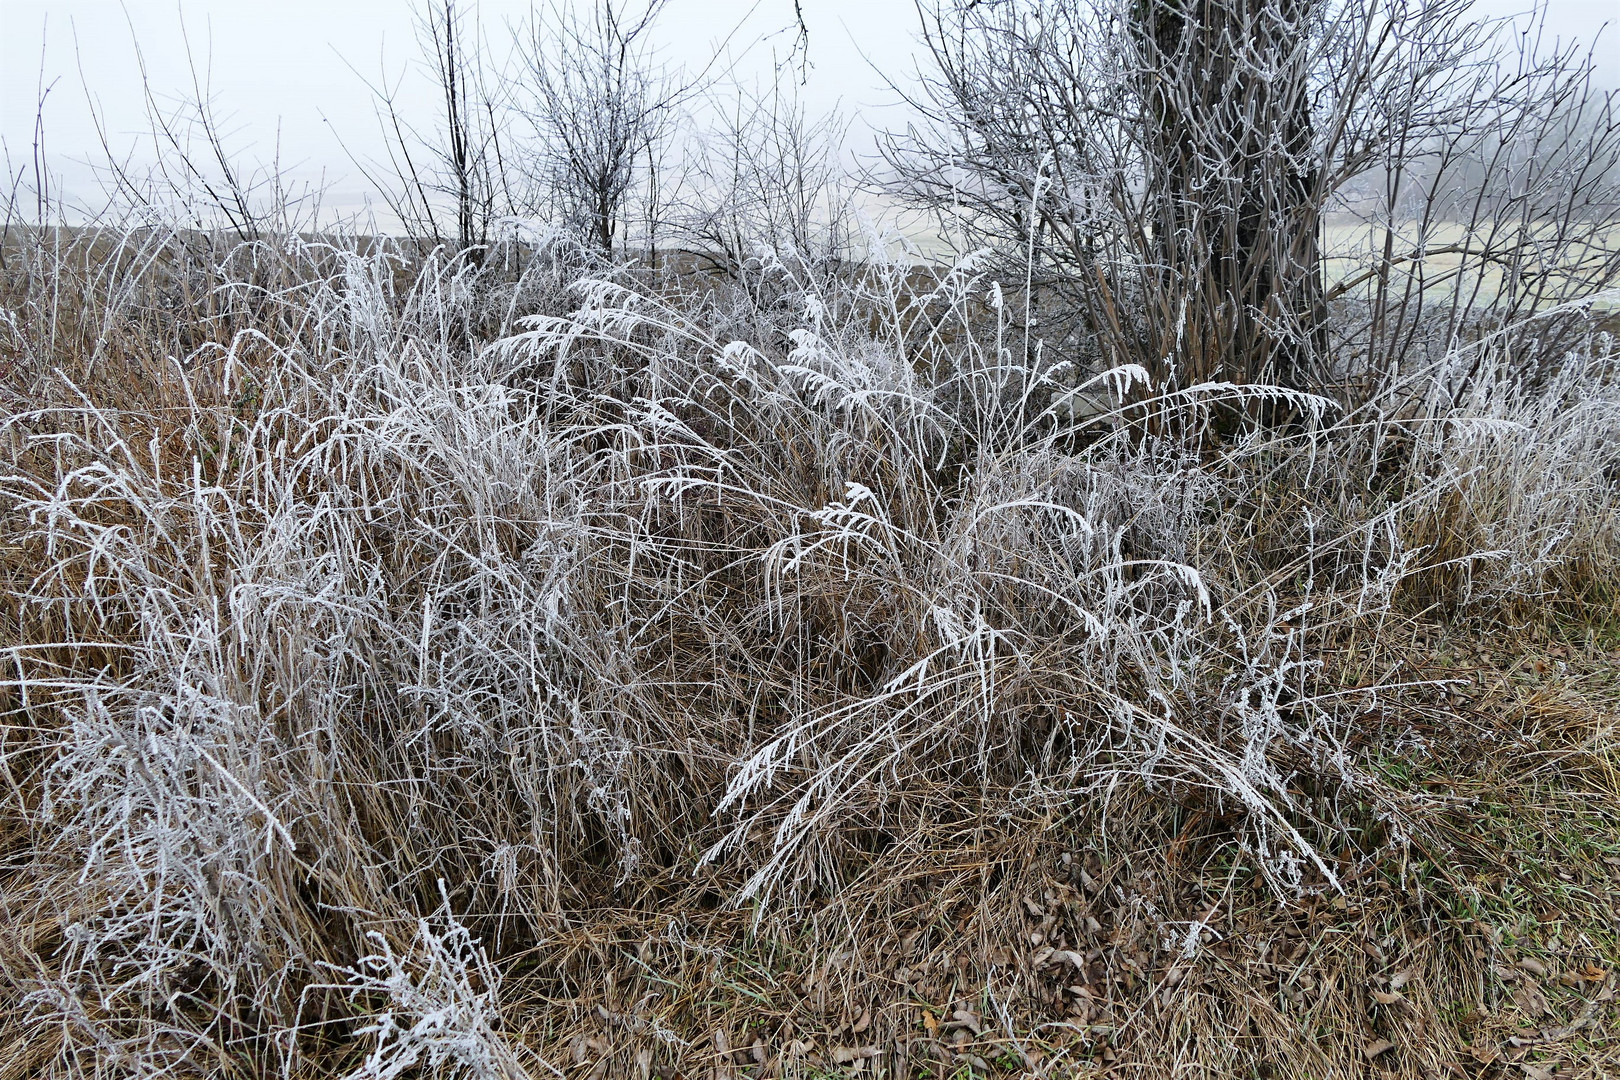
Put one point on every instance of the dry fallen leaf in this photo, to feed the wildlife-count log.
(1529, 998)
(864, 1022)
(976, 1061)
(1373, 1049)
(1386, 999)
(1533, 966)
(968, 1019)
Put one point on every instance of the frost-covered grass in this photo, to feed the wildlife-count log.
(372, 625)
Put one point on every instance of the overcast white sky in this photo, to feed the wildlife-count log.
(295, 70)
(281, 70)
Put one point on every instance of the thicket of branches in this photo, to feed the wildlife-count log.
(1171, 171)
(383, 615)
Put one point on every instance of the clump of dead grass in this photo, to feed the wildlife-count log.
(419, 667)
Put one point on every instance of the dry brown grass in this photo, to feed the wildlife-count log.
(1482, 943)
(306, 843)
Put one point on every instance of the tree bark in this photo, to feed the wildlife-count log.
(1232, 186)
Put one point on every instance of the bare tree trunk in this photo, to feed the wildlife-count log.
(1232, 187)
(459, 155)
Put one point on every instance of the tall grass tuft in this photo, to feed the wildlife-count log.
(369, 620)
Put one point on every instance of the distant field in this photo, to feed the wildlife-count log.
(1452, 250)
(1350, 249)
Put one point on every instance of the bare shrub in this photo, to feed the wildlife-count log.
(600, 105)
(767, 192)
(1163, 170)
(462, 160)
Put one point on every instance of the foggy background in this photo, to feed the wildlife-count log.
(289, 79)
